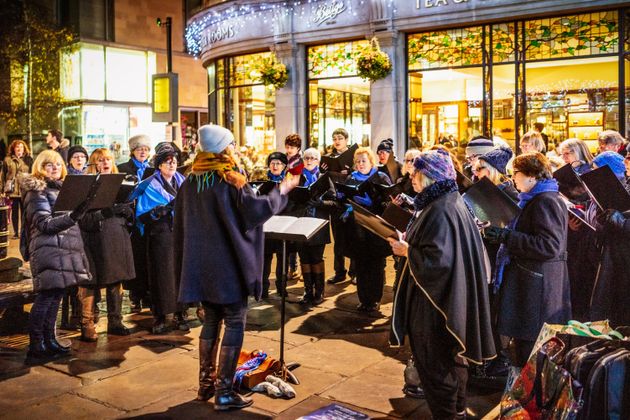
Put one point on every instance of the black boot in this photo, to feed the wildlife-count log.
(226, 398)
(115, 325)
(318, 277)
(308, 285)
(208, 350)
(50, 335)
(37, 353)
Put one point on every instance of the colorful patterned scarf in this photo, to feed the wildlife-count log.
(249, 366)
(208, 166)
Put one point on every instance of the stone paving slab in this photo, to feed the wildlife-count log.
(33, 385)
(375, 392)
(146, 384)
(66, 406)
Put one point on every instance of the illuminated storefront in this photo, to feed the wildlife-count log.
(113, 88)
(461, 68)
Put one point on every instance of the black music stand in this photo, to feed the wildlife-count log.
(294, 229)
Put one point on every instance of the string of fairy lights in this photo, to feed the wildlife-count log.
(263, 13)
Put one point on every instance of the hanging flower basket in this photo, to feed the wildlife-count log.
(372, 62)
(271, 72)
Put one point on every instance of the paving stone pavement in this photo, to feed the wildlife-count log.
(344, 357)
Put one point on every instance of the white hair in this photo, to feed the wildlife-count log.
(312, 152)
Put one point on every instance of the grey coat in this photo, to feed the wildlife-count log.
(55, 247)
(535, 286)
(219, 240)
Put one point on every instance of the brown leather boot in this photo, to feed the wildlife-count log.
(208, 350)
(88, 332)
(226, 398)
(318, 278)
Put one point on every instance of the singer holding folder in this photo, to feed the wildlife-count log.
(218, 232)
(441, 303)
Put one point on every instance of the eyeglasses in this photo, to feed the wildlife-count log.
(478, 169)
(310, 158)
(409, 160)
(276, 163)
(515, 172)
(471, 157)
(51, 165)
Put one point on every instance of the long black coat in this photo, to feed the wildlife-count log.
(108, 247)
(55, 247)
(219, 240)
(535, 286)
(447, 266)
(611, 293)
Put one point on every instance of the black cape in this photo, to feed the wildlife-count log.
(447, 263)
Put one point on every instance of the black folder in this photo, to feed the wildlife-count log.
(341, 162)
(126, 188)
(76, 188)
(390, 191)
(375, 224)
(295, 229)
(607, 191)
(490, 204)
(570, 184)
(302, 194)
(263, 187)
(463, 182)
(397, 216)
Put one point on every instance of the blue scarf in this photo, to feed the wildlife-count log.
(503, 255)
(275, 178)
(358, 176)
(311, 177)
(151, 193)
(248, 366)
(433, 192)
(140, 166)
(72, 171)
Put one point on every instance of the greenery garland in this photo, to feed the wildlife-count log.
(372, 62)
(271, 72)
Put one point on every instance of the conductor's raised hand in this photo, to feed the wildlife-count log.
(288, 184)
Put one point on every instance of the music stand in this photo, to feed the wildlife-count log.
(294, 229)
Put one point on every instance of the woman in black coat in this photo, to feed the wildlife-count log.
(108, 247)
(154, 218)
(366, 249)
(442, 300)
(219, 256)
(531, 269)
(54, 249)
(312, 252)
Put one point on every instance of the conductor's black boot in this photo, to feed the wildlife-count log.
(225, 397)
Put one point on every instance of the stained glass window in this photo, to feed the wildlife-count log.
(503, 35)
(448, 48)
(333, 60)
(240, 68)
(572, 36)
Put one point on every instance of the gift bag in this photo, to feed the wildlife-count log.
(544, 389)
(595, 329)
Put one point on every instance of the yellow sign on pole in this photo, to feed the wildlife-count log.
(161, 94)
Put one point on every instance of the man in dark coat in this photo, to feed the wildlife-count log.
(442, 299)
(387, 161)
(215, 202)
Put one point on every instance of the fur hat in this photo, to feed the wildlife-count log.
(214, 138)
(163, 153)
(76, 149)
(277, 156)
(386, 145)
(436, 164)
(139, 141)
(479, 146)
(498, 158)
(613, 160)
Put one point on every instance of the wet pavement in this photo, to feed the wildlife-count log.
(344, 355)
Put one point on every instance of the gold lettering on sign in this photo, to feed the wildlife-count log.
(435, 3)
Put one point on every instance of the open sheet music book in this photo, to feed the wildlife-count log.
(606, 190)
(289, 228)
(341, 162)
(490, 204)
(375, 224)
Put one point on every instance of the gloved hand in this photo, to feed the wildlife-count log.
(364, 200)
(612, 218)
(160, 211)
(79, 212)
(496, 235)
(315, 203)
(346, 214)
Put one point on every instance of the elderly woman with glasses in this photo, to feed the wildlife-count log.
(532, 141)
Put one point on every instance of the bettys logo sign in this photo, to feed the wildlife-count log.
(328, 11)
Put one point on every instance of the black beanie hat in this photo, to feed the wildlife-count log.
(277, 156)
(76, 149)
(164, 153)
(386, 145)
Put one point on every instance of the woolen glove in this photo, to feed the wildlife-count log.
(364, 200)
(78, 213)
(123, 210)
(614, 219)
(496, 235)
(160, 211)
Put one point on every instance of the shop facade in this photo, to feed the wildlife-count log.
(460, 68)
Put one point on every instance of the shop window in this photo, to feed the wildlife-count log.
(503, 104)
(572, 36)
(448, 48)
(334, 60)
(337, 97)
(503, 42)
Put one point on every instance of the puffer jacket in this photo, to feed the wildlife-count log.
(55, 247)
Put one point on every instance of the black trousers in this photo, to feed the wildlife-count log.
(16, 209)
(233, 317)
(370, 272)
(443, 376)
